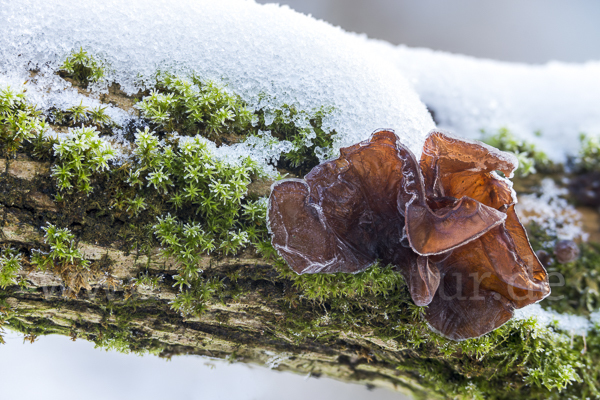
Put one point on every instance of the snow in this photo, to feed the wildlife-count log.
(270, 55)
(574, 324)
(558, 100)
(551, 212)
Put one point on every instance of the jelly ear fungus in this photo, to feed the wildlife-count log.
(447, 223)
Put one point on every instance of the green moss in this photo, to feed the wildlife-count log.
(63, 249)
(191, 177)
(374, 281)
(530, 159)
(79, 115)
(588, 159)
(147, 280)
(223, 223)
(19, 121)
(115, 332)
(80, 155)
(83, 67)
(10, 265)
(574, 285)
(64, 259)
(194, 106)
(122, 337)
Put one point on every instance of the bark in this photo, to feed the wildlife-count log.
(246, 324)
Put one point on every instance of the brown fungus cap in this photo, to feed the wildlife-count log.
(485, 279)
(342, 217)
(448, 225)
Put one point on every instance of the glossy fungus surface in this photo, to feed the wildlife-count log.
(342, 216)
(447, 223)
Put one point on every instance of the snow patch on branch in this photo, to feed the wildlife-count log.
(269, 55)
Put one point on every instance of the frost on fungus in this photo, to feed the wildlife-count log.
(447, 224)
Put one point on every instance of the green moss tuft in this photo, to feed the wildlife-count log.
(79, 115)
(80, 155)
(194, 106)
(65, 260)
(588, 159)
(530, 159)
(374, 281)
(10, 265)
(19, 121)
(83, 67)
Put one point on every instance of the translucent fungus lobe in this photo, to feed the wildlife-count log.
(343, 216)
(485, 279)
(447, 224)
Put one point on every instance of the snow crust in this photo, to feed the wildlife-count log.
(560, 100)
(270, 55)
(551, 212)
(574, 324)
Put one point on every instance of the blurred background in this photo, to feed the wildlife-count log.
(55, 368)
(533, 31)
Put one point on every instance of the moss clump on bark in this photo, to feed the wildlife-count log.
(217, 287)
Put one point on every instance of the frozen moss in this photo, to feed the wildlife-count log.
(80, 155)
(192, 106)
(79, 115)
(310, 142)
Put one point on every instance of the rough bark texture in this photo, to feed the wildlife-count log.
(246, 324)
